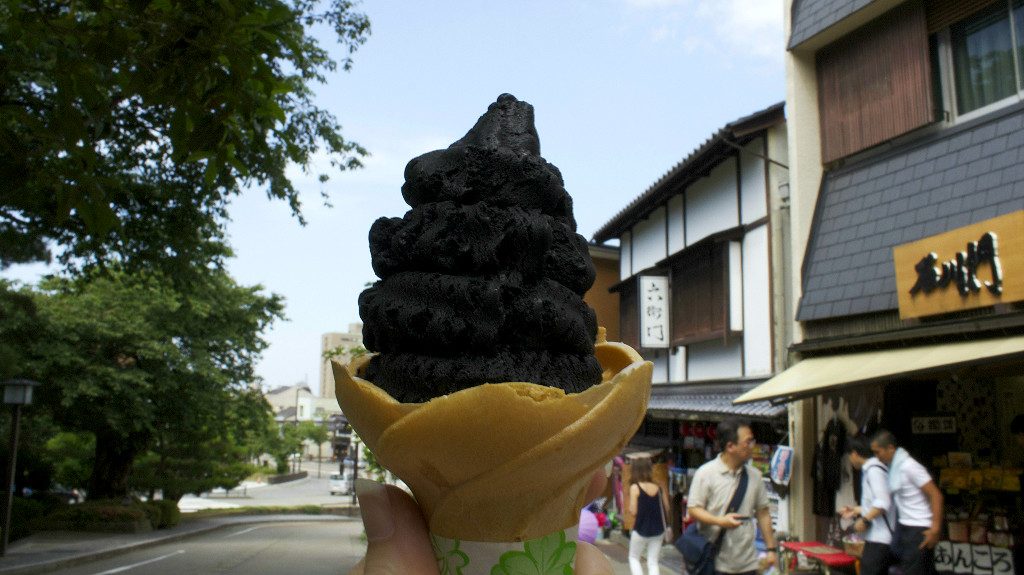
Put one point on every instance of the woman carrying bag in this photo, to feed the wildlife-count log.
(648, 505)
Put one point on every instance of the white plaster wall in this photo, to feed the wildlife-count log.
(660, 359)
(752, 183)
(711, 203)
(649, 241)
(805, 170)
(736, 286)
(757, 332)
(677, 365)
(712, 360)
(625, 256)
(676, 225)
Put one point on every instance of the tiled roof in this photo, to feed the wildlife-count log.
(708, 155)
(812, 16)
(710, 400)
(946, 180)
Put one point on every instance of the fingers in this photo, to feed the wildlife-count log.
(590, 560)
(396, 533)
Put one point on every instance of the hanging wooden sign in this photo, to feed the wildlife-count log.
(979, 265)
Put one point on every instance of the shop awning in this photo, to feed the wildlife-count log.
(817, 375)
(708, 402)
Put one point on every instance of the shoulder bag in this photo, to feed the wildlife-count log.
(667, 534)
(698, 552)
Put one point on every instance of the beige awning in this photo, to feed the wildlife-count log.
(820, 374)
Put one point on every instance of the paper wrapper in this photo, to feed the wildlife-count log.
(555, 554)
(506, 462)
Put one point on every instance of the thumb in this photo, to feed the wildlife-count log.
(590, 560)
(397, 538)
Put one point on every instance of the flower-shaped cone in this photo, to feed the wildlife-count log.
(501, 462)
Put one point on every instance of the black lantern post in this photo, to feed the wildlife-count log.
(17, 392)
(355, 469)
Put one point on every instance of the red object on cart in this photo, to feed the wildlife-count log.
(829, 557)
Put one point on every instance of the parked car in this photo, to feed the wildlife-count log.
(340, 483)
(348, 463)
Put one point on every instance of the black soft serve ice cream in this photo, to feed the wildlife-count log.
(482, 280)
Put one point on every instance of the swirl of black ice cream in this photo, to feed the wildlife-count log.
(482, 280)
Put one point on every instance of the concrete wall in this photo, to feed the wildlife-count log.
(605, 303)
(805, 171)
(711, 203)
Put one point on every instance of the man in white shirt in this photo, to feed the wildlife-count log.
(918, 506)
(711, 491)
(873, 517)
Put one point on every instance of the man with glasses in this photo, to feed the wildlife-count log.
(712, 491)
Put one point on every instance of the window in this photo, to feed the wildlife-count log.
(629, 318)
(875, 83)
(982, 58)
(700, 283)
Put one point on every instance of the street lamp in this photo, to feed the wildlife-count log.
(17, 392)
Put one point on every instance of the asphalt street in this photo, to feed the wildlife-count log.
(328, 548)
(308, 491)
(271, 548)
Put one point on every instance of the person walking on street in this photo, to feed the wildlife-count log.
(872, 517)
(713, 488)
(648, 505)
(918, 506)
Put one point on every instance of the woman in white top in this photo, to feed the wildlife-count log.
(873, 517)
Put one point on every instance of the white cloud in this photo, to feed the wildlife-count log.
(662, 33)
(752, 25)
(655, 3)
(723, 27)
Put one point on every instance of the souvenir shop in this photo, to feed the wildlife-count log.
(946, 378)
(679, 436)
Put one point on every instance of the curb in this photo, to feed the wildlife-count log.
(46, 566)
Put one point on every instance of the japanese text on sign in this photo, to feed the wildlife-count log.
(933, 424)
(654, 316)
(962, 270)
(968, 558)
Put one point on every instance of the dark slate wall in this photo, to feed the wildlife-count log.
(946, 180)
(813, 16)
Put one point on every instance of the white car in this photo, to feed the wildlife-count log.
(340, 484)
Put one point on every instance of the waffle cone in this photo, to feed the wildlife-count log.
(505, 461)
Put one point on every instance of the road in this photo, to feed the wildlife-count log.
(314, 548)
(309, 491)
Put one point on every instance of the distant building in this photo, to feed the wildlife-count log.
(353, 339)
(291, 404)
(600, 297)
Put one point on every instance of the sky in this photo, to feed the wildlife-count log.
(622, 90)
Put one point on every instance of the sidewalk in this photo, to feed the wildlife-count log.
(50, 550)
(616, 548)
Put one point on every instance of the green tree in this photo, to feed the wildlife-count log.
(126, 127)
(19, 329)
(70, 454)
(316, 433)
(208, 448)
(143, 365)
(287, 442)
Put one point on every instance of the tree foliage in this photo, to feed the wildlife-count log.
(70, 455)
(126, 126)
(145, 366)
